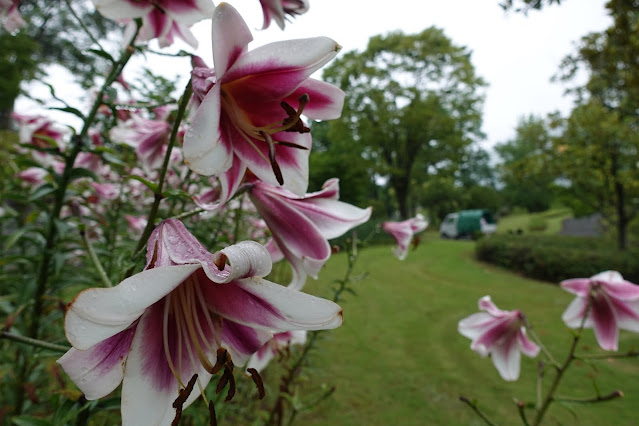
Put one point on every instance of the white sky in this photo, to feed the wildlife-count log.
(516, 54)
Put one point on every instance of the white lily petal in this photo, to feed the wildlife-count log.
(99, 370)
(205, 151)
(574, 313)
(231, 37)
(261, 304)
(246, 259)
(506, 359)
(99, 313)
(118, 9)
(143, 403)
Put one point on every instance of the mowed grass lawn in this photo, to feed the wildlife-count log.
(398, 358)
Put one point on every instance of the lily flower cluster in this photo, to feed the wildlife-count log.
(191, 314)
(160, 327)
(605, 302)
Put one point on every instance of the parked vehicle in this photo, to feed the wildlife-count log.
(468, 223)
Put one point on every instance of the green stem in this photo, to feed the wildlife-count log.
(84, 27)
(158, 195)
(533, 334)
(54, 216)
(612, 395)
(629, 354)
(94, 258)
(63, 183)
(522, 413)
(189, 213)
(476, 409)
(294, 371)
(33, 342)
(562, 369)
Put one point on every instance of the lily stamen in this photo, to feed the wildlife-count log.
(292, 123)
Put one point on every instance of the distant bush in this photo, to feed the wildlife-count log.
(555, 258)
(537, 224)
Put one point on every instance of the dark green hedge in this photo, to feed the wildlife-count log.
(555, 258)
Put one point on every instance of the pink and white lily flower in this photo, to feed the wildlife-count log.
(403, 233)
(251, 104)
(279, 342)
(161, 19)
(10, 15)
(149, 138)
(501, 334)
(614, 304)
(302, 226)
(158, 328)
(280, 10)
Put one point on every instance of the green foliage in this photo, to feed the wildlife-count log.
(556, 258)
(526, 5)
(537, 224)
(52, 36)
(335, 154)
(600, 144)
(525, 171)
(412, 106)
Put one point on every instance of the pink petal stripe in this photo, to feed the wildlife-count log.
(99, 370)
(148, 399)
(578, 286)
(265, 305)
(527, 346)
(242, 341)
(287, 224)
(281, 67)
(326, 100)
(605, 323)
(622, 290)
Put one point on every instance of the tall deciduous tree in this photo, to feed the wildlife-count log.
(525, 172)
(601, 131)
(52, 35)
(413, 102)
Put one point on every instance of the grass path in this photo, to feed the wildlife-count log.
(398, 358)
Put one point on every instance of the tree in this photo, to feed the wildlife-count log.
(53, 35)
(335, 155)
(526, 5)
(601, 131)
(525, 171)
(413, 103)
(597, 154)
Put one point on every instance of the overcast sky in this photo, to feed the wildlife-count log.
(516, 54)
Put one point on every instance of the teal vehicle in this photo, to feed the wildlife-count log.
(468, 223)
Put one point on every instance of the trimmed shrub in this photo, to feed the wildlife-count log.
(555, 258)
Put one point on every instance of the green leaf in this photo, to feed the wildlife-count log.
(152, 186)
(30, 421)
(70, 110)
(80, 172)
(42, 191)
(176, 193)
(14, 238)
(102, 54)
(112, 159)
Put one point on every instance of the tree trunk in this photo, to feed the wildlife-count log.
(622, 220)
(5, 118)
(400, 185)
